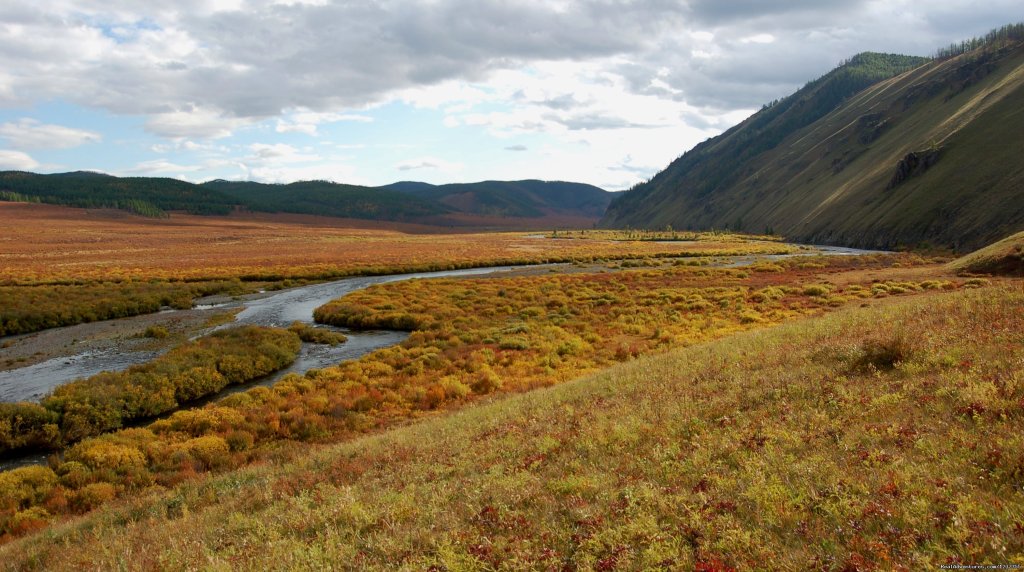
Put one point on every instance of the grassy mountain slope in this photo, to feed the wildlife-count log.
(929, 155)
(530, 198)
(824, 443)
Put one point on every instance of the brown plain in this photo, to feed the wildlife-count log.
(45, 243)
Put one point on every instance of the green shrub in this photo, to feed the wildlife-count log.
(816, 290)
(25, 486)
(28, 425)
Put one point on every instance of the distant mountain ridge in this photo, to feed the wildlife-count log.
(401, 202)
(884, 151)
(529, 198)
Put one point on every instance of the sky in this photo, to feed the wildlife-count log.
(606, 92)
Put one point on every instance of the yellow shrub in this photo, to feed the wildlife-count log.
(102, 454)
(25, 486)
(212, 451)
(91, 496)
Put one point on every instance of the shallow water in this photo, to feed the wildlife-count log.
(32, 383)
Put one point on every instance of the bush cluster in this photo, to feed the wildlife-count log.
(110, 400)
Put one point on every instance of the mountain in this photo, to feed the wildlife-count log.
(328, 199)
(530, 198)
(882, 152)
(147, 196)
(534, 204)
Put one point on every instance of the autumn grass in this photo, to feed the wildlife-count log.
(663, 234)
(60, 267)
(473, 337)
(25, 309)
(44, 244)
(314, 335)
(766, 450)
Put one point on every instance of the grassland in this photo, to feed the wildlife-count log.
(472, 338)
(61, 266)
(635, 410)
(44, 244)
(821, 443)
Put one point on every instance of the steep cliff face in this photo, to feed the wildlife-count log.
(928, 154)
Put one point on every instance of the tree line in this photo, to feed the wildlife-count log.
(998, 36)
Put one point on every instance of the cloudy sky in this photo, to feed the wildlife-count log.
(600, 91)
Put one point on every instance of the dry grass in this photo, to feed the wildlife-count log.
(46, 244)
(760, 451)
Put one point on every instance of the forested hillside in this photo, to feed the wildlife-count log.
(530, 198)
(327, 198)
(146, 196)
(405, 202)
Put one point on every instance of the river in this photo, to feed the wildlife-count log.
(32, 383)
(279, 309)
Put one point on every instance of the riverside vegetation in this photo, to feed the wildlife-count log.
(111, 400)
(471, 338)
(103, 268)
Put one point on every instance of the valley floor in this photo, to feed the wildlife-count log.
(634, 408)
(885, 437)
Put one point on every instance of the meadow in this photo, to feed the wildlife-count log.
(105, 246)
(824, 442)
(635, 408)
(471, 338)
(107, 264)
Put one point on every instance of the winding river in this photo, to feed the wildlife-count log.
(279, 309)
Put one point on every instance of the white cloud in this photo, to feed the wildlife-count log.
(305, 121)
(334, 171)
(31, 134)
(189, 146)
(758, 39)
(194, 123)
(430, 163)
(16, 160)
(242, 61)
(161, 167)
(280, 153)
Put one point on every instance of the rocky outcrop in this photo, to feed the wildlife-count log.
(914, 163)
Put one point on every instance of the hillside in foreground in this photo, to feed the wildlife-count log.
(883, 152)
(826, 442)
